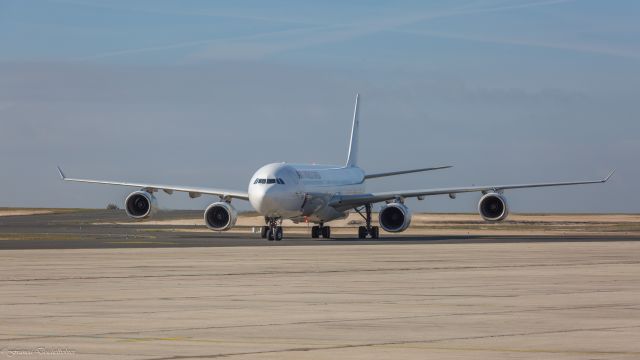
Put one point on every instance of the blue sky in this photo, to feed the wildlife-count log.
(188, 92)
(338, 33)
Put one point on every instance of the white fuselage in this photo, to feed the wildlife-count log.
(300, 192)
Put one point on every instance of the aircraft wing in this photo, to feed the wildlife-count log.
(402, 172)
(343, 202)
(169, 189)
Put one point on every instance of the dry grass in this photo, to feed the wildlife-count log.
(34, 211)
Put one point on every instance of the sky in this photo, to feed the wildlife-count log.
(203, 93)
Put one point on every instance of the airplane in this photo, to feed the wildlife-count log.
(319, 194)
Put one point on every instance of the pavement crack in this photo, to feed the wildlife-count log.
(390, 343)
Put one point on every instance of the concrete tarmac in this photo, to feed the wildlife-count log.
(561, 300)
(76, 289)
(91, 229)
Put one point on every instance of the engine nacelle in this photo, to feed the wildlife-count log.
(493, 207)
(140, 205)
(220, 216)
(394, 217)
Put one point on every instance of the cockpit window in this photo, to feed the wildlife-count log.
(269, 181)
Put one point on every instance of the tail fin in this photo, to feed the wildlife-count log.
(352, 158)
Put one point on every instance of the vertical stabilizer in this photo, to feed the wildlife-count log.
(352, 158)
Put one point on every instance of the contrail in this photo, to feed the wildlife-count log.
(325, 33)
(575, 47)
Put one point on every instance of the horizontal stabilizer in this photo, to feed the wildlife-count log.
(402, 172)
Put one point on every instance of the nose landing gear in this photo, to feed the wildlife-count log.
(273, 230)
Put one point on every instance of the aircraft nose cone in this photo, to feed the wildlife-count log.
(265, 199)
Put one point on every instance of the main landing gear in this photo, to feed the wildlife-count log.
(273, 230)
(367, 230)
(321, 230)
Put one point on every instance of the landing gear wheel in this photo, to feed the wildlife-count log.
(362, 232)
(263, 231)
(367, 230)
(315, 232)
(375, 232)
(326, 232)
(273, 230)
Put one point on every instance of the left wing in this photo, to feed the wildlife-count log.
(169, 189)
(343, 202)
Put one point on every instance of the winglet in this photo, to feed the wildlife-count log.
(62, 176)
(608, 176)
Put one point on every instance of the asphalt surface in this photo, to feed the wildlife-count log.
(80, 230)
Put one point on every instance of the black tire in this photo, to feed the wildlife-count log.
(279, 233)
(375, 232)
(263, 232)
(326, 232)
(270, 235)
(362, 232)
(315, 232)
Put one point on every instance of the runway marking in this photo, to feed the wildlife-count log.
(55, 236)
(139, 340)
(39, 237)
(142, 242)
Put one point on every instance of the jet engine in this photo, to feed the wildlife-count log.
(140, 205)
(220, 216)
(394, 217)
(493, 207)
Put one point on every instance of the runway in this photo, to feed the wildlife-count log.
(87, 285)
(93, 229)
(401, 301)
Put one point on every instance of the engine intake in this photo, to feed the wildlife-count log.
(140, 205)
(220, 216)
(493, 207)
(395, 217)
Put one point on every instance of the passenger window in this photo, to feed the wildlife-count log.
(271, 181)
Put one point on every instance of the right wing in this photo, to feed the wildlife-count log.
(344, 202)
(169, 189)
